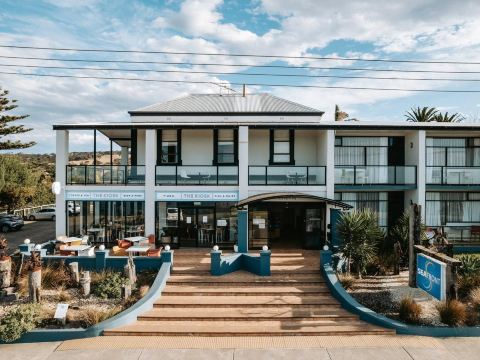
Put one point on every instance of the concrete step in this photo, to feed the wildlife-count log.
(247, 313)
(236, 301)
(248, 328)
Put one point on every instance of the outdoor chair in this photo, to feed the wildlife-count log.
(124, 244)
(153, 252)
(64, 252)
(118, 251)
(151, 239)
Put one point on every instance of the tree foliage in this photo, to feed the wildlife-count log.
(23, 184)
(361, 237)
(425, 114)
(6, 128)
(340, 115)
(455, 117)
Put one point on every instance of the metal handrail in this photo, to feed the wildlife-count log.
(364, 168)
(125, 175)
(177, 177)
(308, 177)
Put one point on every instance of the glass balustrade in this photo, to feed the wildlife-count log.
(286, 175)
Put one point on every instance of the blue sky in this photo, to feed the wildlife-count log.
(423, 30)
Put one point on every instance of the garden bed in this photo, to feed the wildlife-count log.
(104, 301)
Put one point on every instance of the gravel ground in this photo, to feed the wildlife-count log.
(383, 294)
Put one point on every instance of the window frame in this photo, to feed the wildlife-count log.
(291, 153)
(216, 143)
(160, 148)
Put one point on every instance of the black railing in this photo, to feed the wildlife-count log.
(105, 175)
(453, 175)
(196, 175)
(375, 175)
(286, 175)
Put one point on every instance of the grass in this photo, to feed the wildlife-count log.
(409, 311)
(92, 316)
(347, 281)
(452, 312)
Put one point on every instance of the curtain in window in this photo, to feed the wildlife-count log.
(456, 156)
(349, 156)
(435, 156)
(432, 209)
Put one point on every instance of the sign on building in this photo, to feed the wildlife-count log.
(105, 195)
(197, 196)
(431, 276)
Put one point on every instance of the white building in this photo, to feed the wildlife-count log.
(187, 164)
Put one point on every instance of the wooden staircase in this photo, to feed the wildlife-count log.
(293, 301)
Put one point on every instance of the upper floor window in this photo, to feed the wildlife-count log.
(361, 151)
(453, 151)
(168, 146)
(282, 146)
(225, 146)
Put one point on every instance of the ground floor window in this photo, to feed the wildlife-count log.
(458, 213)
(196, 224)
(105, 221)
(374, 201)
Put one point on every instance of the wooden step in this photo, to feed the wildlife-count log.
(246, 290)
(235, 301)
(247, 313)
(247, 328)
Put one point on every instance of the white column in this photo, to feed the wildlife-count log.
(141, 147)
(150, 162)
(61, 162)
(124, 156)
(243, 162)
(415, 150)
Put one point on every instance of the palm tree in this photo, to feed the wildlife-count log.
(361, 237)
(456, 117)
(424, 114)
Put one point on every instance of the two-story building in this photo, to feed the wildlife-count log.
(188, 164)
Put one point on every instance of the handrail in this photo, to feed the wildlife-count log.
(287, 175)
(394, 175)
(105, 175)
(453, 175)
(202, 175)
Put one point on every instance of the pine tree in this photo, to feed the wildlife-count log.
(6, 129)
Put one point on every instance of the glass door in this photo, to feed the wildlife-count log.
(187, 227)
(206, 226)
(314, 228)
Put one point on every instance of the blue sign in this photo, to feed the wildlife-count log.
(431, 276)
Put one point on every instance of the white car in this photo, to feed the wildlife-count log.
(43, 214)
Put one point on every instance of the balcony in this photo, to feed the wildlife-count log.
(196, 175)
(286, 175)
(453, 175)
(376, 175)
(105, 175)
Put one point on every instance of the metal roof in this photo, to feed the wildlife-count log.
(232, 104)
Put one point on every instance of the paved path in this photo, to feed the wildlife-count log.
(36, 231)
(328, 348)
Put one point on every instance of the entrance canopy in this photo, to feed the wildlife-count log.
(290, 196)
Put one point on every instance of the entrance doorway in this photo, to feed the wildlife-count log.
(196, 226)
(283, 225)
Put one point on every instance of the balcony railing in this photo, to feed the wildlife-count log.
(196, 175)
(286, 175)
(453, 175)
(375, 175)
(105, 175)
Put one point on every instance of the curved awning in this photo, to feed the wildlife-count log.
(290, 195)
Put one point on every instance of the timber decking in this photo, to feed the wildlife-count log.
(294, 301)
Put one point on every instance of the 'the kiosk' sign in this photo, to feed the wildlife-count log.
(431, 275)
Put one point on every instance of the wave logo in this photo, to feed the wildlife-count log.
(429, 279)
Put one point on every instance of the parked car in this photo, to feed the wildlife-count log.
(9, 222)
(73, 209)
(43, 214)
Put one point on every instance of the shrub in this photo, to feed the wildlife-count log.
(64, 296)
(470, 265)
(110, 286)
(92, 316)
(452, 312)
(475, 298)
(54, 277)
(18, 321)
(347, 281)
(409, 311)
(466, 283)
(361, 236)
(472, 317)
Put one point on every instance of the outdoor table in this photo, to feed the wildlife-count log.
(85, 250)
(94, 232)
(136, 239)
(137, 250)
(69, 240)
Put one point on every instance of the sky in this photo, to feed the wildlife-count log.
(427, 30)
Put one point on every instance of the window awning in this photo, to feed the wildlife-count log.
(291, 196)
